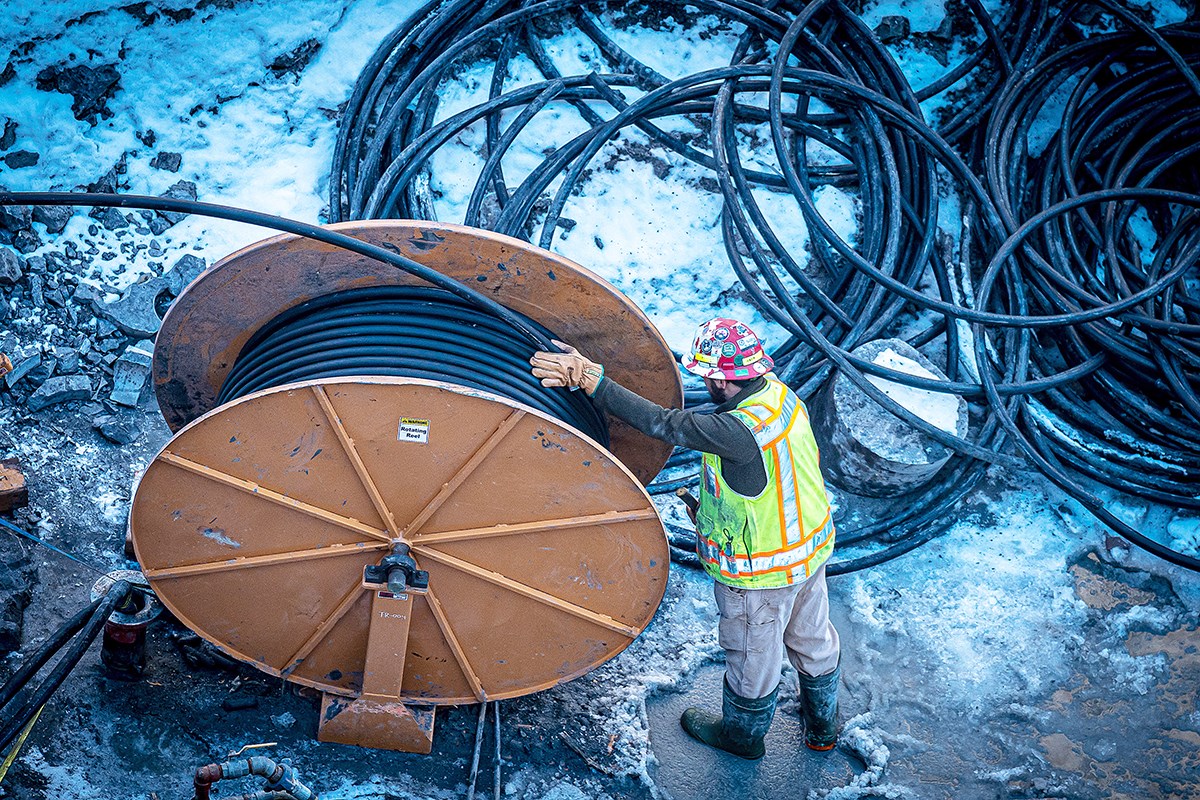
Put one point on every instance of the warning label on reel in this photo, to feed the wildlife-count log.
(413, 430)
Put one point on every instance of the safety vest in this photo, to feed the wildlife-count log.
(785, 533)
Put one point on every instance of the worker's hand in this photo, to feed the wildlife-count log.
(568, 368)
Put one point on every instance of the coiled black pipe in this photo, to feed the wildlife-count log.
(404, 331)
(391, 133)
(1047, 356)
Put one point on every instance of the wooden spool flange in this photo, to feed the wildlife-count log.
(211, 321)
(257, 521)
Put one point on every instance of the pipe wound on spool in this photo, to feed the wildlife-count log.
(404, 331)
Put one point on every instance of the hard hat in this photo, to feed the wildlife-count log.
(725, 348)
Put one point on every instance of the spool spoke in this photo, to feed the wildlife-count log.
(607, 518)
(249, 487)
(464, 472)
(603, 620)
(360, 469)
(323, 630)
(228, 565)
(460, 655)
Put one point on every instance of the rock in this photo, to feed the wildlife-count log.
(167, 161)
(27, 241)
(9, 137)
(22, 368)
(15, 218)
(35, 291)
(892, 29)
(62, 389)
(19, 159)
(136, 313)
(8, 74)
(38, 375)
(148, 138)
(12, 267)
(296, 60)
(68, 359)
(55, 218)
(944, 31)
(183, 272)
(130, 374)
(89, 87)
(110, 218)
(180, 190)
(868, 451)
(117, 430)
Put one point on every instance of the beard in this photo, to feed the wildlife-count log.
(712, 393)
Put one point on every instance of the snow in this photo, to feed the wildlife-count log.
(937, 408)
(923, 15)
(1012, 572)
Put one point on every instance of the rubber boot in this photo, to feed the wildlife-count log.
(818, 706)
(739, 730)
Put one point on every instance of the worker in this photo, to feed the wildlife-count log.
(763, 528)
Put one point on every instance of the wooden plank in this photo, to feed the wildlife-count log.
(13, 491)
(524, 590)
(566, 523)
(360, 469)
(460, 655)
(251, 488)
(463, 473)
(247, 562)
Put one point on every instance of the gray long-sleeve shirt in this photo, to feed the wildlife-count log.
(718, 433)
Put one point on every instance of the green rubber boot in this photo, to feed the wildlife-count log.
(818, 706)
(739, 730)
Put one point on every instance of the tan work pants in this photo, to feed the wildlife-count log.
(758, 625)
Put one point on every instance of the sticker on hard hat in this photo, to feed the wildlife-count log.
(413, 430)
(728, 349)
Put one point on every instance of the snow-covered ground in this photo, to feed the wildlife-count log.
(1015, 656)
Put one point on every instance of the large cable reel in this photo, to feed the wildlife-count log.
(398, 542)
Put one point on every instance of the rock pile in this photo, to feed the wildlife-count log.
(67, 340)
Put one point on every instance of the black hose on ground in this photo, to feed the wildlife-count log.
(15, 715)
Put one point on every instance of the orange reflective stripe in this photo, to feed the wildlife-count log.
(761, 422)
(770, 553)
(783, 435)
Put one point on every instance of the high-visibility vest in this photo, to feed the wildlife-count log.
(785, 533)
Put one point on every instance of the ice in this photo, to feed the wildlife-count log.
(1184, 531)
(67, 779)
